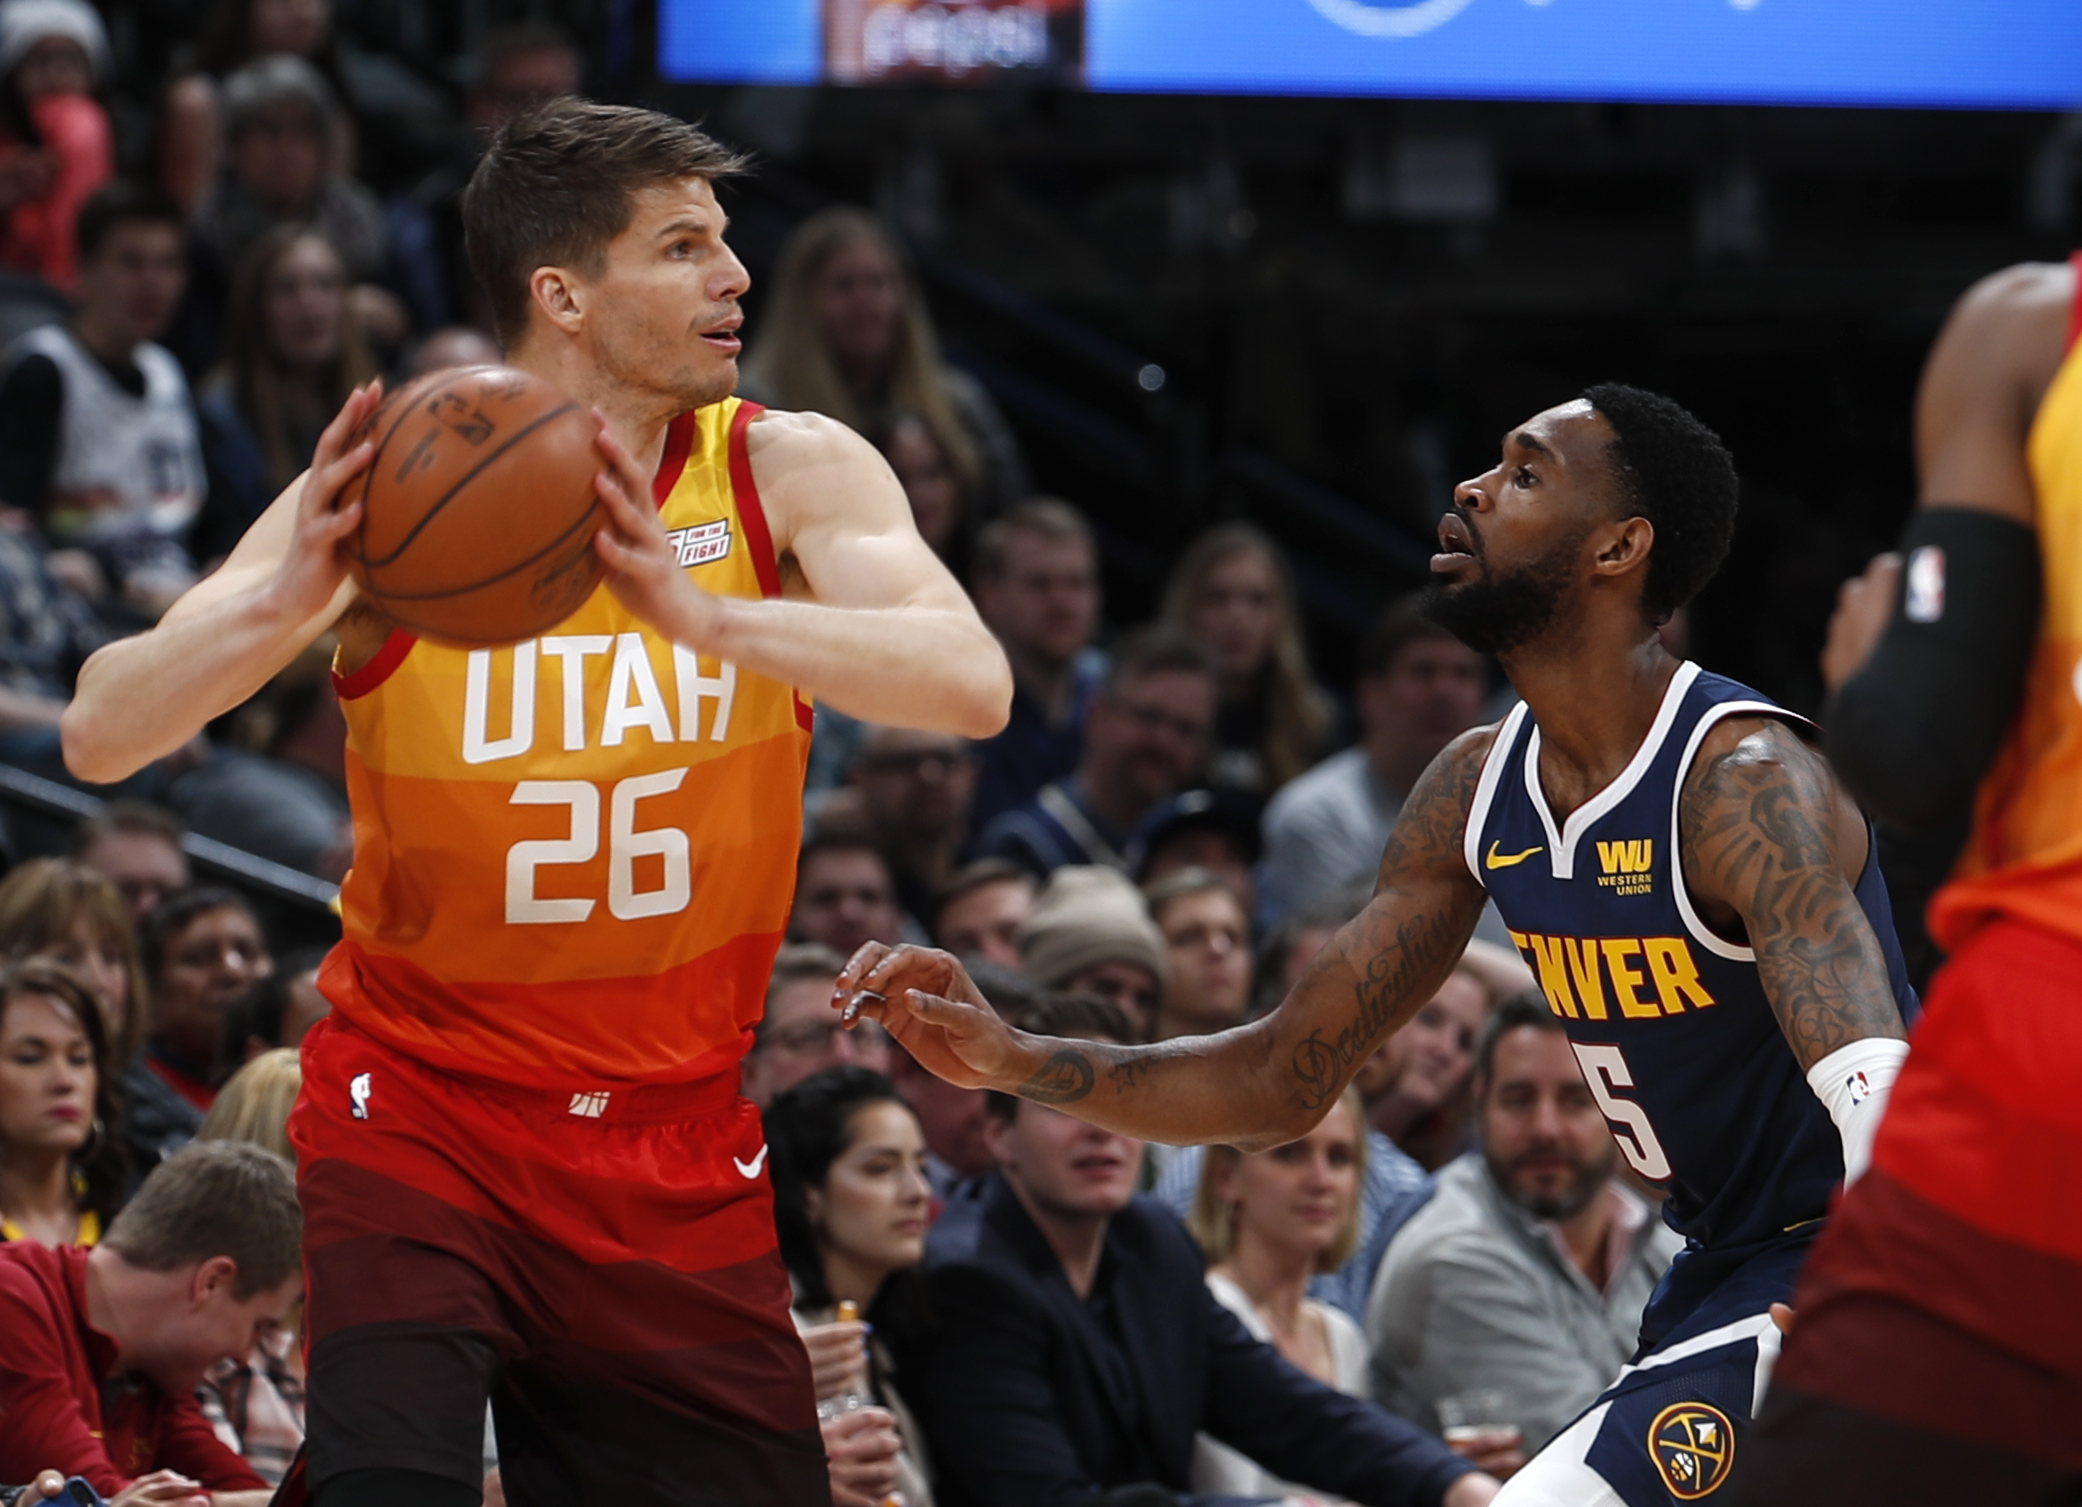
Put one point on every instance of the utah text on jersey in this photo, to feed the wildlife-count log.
(636, 699)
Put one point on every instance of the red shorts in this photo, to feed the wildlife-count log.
(601, 1266)
(1942, 1308)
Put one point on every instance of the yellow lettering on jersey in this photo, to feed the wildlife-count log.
(1627, 866)
(1554, 974)
(1676, 974)
(1626, 980)
(1573, 972)
(1583, 968)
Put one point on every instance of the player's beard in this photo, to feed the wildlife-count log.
(1501, 611)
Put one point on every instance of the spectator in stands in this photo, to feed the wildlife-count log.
(278, 1011)
(1207, 940)
(63, 912)
(1267, 1223)
(1090, 934)
(46, 633)
(1216, 830)
(847, 335)
(1145, 739)
(202, 949)
(800, 1035)
(1392, 1186)
(851, 1206)
(256, 1402)
(293, 351)
(236, 33)
(1234, 591)
(1077, 1349)
(979, 911)
(97, 435)
(276, 785)
(105, 1346)
(1527, 1273)
(1416, 1084)
(939, 499)
(513, 68)
(844, 893)
(56, 147)
(281, 115)
(1036, 584)
(61, 1151)
(138, 847)
(1418, 689)
(914, 789)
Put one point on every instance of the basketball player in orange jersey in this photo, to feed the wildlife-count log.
(1937, 1355)
(526, 1170)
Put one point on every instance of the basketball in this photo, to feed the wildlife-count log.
(478, 507)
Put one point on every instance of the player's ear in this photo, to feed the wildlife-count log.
(1625, 547)
(558, 298)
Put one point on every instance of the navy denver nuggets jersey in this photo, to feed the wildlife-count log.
(1669, 1020)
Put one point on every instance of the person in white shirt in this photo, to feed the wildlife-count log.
(1269, 1222)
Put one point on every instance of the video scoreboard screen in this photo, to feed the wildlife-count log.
(2016, 54)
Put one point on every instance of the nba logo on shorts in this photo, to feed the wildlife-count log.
(358, 1091)
(1389, 18)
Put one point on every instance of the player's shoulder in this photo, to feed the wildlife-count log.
(2012, 323)
(781, 441)
(1746, 743)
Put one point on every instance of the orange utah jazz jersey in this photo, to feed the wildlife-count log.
(574, 858)
(2024, 858)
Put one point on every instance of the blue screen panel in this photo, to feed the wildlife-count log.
(1979, 53)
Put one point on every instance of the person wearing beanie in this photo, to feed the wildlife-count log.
(56, 148)
(1089, 933)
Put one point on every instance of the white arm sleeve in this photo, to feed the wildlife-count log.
(1853, 1083)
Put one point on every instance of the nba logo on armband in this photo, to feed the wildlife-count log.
(1860, 1086)
(589, 1106)
(1923, 594)
(703, 544)
(358, 1091)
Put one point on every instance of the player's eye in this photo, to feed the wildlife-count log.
(1523, 477)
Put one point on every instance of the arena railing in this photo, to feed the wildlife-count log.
(301, 908)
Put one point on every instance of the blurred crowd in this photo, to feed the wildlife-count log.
(199, 259)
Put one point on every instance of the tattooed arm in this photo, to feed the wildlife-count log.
(1261, 1084)
(1772, 845)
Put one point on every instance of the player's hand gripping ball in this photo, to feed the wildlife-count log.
(478, 510)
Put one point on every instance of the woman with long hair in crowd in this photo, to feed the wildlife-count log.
(1234, 591)
(61, 911)
(939, 498)
(293, 352)
(851, 1207)
(846, 334)
(257, 1404)
(1268, 1222)
(61, 1155)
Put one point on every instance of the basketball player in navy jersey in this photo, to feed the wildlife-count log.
(1694, 890)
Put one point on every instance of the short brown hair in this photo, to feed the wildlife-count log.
(43, 901)
(556, 185)
(211, 1199)
(1048, 517)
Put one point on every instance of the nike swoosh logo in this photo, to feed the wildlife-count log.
(1495, 860)
(751, 1168)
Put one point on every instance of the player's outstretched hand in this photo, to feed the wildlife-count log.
(1864, 607)
(643, 569)
(928, 1002)
(311, 573)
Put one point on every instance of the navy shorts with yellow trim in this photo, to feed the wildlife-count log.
(1670, 1428)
